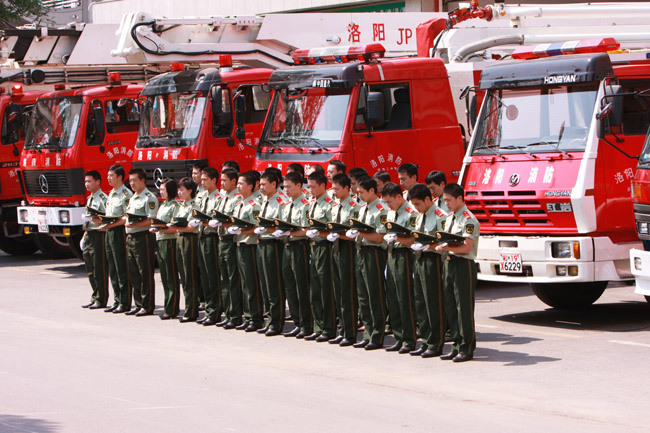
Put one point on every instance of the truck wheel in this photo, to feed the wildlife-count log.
(569, 295)
(53, 247)
(18, 246)
(73, 242)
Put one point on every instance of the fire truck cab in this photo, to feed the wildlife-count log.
(15, 108)
(187, 117)
(640, 259)
(350, 104)
(70, 132)
(549, 167)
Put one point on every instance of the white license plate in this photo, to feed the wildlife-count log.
(42, 226)
(510, 263)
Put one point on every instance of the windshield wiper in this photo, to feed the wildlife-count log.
(553, 143)
(291, 141)
(317, 143)
(271, 142)
(522, 148)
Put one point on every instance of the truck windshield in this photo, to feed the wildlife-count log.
(644, 156)
(172, 119)
(54, 123)
(535, 120)
(307, 117)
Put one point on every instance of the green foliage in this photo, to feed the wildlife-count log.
(14, 10)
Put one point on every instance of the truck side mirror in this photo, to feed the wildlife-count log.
(611, 114)
(10, 131)
(375, 115)
(215, 100)
(240, 115)
(95, 134)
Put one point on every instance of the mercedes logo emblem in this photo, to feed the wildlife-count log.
(158, 177)
(42, 183)
(514, 180)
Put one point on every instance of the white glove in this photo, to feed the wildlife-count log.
(352, 233)
(82, 243)
(390, 237)
(332, 237)
(86, 218)
(280, 234)
(312, 233)
(234, 230)
(195, 223)
(259, 230)
(214, 223)
(417, 247)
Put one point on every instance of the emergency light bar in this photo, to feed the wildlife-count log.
(342, 54)
(570, 47)
(17, 89)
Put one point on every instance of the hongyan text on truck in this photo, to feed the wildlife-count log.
(70, 132)
(350, 104)
(187, 118)
(549, 167)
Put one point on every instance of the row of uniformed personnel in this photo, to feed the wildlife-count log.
(324, 277)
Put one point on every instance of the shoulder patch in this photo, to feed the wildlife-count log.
(469, 228)
(279, 199)
(412, 221)
(328, 200)
(125, 191)
(383, 218)
(238, 195)
(304, 201)
(379, 207)
(409, 210)
(152, 205)
(440, 213)
(352, 203)
(466, 214)
(148, 194)
(252, 202)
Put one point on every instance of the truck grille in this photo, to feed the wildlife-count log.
(515, 208)
(642, 219)
(158, 170)
(54, 183)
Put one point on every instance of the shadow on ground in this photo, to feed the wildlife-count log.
(18, 424)
(490, 291)
(610, 317)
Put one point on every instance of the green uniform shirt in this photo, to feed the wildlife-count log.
(434, 219)
(374, 214)
(227, 205)
(166, 211)
(345, 209)
(404, 216)
(145, 204)
(296, 213)
(118, 200)
(208, 202)
(321, 209)
(258, 196)
(184, 210)
(247, 209)
(272, 208)
(200, 193)
(439, 202)
(97, 201)
(464, 223)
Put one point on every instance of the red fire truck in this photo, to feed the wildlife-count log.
(187, 117)
(549, 167)
(349, 103)
(70, 132)
(15, 106)
(640, 259)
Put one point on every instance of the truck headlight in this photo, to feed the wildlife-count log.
(64, 216)
(23, 215)
(637, 264)
(643, 227)
(561, 250)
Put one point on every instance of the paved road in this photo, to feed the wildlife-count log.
(67, 369)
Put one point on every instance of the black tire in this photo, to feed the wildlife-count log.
(53, 247)
(647, 299)
(18, 246)
(569, 295)
(73, 242)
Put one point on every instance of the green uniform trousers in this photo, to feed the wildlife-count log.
(231, 292)
(372, 261)
(94, 255)
(210, 278)
(298, 296)
(288, 278)
(460, 283)
(250, 280)
(263, 289)
(117, 269)
(429, 303)
(345, 286)
(168, 264)
(399, 295)
(270, 255)
(141, 248)
(188, 251)
(322, 288)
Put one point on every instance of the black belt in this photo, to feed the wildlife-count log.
(298, 241)
(117, 228)
(209, 235)
(369, 246)
(450, 257)
(187, 234)
(268, 241)
(226, 237)
(136, 234)
(320, 243)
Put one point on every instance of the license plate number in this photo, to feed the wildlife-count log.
(42, 226)
(510, 263)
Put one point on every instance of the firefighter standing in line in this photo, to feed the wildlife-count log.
(140, 244)
(167, 254)
(197, 168)
(436, 181)
(399, 274)
(116, 204)
(408, 176)
(94, 241)
(429, 304)
(460, 274)
(371, 257)
(188, 248)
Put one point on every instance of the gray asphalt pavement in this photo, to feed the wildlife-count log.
(68, 369)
